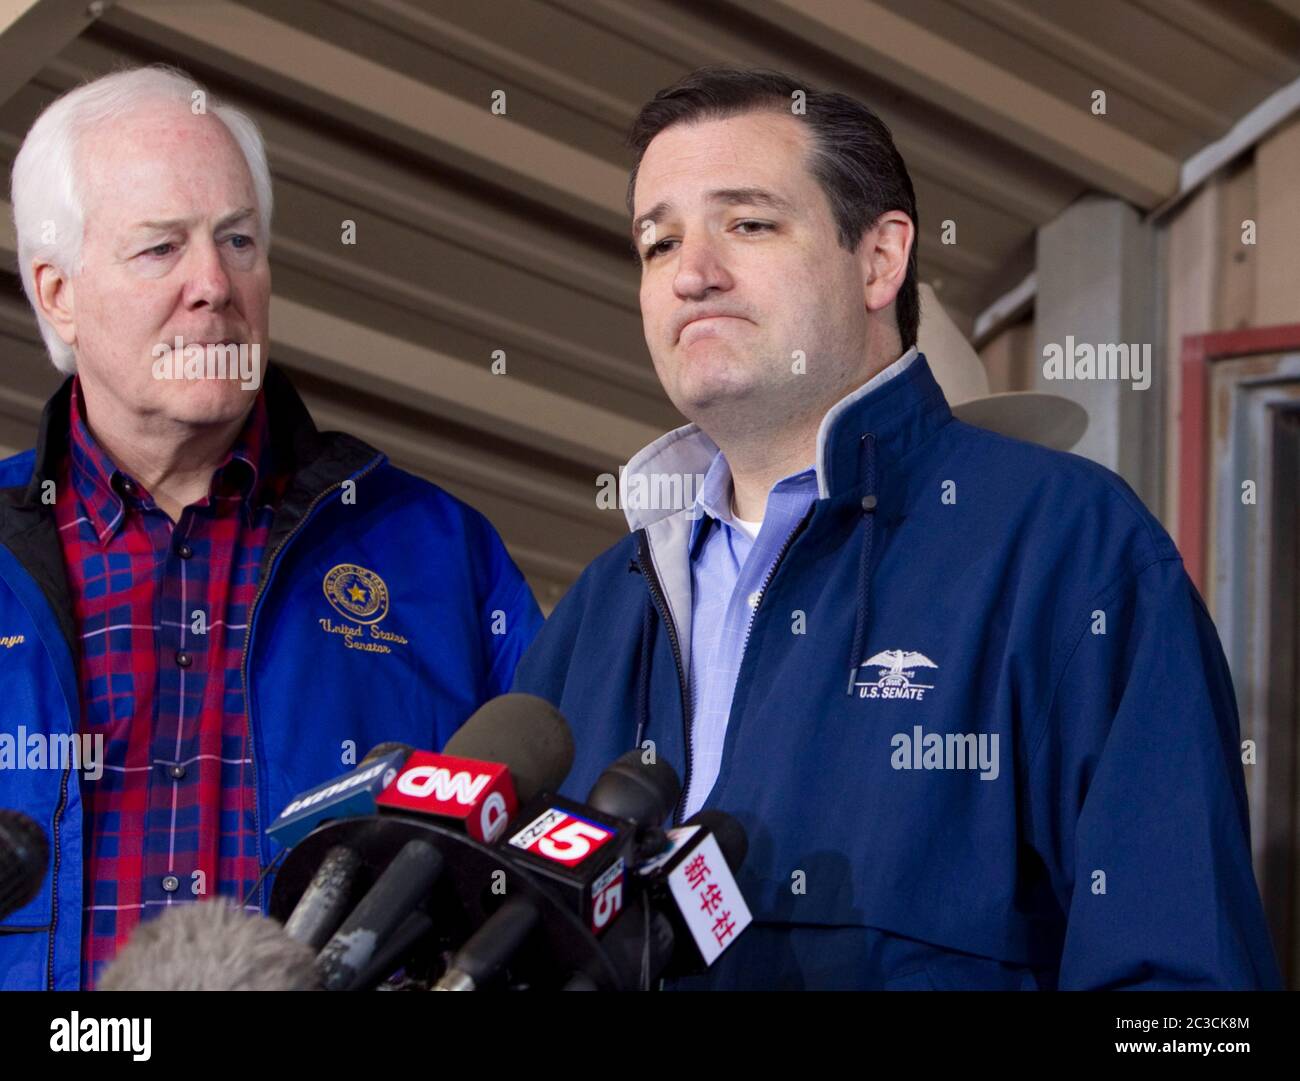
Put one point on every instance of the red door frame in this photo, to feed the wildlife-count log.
(1198, 353)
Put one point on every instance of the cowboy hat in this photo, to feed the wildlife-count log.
(1047, 419)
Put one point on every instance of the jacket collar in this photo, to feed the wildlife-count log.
(901, 410)
(314, 461)
(105, 492)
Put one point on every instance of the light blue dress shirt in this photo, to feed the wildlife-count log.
(728, 573)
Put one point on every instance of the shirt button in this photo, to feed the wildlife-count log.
(868, 502)
(184, 551)
(754, 598)
(128, 486)
(177, 771)
(171, 883)
(184, 659)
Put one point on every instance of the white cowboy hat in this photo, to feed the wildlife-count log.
(1047, 419)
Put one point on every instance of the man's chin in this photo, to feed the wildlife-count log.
(206, 401)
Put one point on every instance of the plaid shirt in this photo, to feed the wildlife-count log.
(161, 610)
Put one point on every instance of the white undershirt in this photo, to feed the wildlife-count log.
(750, 529)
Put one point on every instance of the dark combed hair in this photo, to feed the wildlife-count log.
(853, 155)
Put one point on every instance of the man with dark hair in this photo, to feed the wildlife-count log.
(957, 688)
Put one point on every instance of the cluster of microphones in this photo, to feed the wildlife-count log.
(454, 871)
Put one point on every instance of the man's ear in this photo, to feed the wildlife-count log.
(882, 257)
(54, 298)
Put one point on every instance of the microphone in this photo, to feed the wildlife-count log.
(352, 794)
(24, 856)
(210, 946)
(487, 951)
(639, 944)
(693, 882)
(642, 793)
(522, 732)
(639, 791)
(582, 855)
(513, 747)
(581, 851)
(402, 888)
(324, 903)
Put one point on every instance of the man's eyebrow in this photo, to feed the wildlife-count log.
(752, 197)
(168, 224)
(728, 196)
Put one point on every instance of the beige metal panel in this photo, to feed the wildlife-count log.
(1192, 273)
(284, 59)
(1236, 263)
(1253, 35)
(1091, 39)
(33, 31)
(941, 72)
(1277, 209)
(1288, 7)
(465, 393)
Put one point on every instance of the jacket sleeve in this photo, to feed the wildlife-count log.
(514, 620)
(1137, 798)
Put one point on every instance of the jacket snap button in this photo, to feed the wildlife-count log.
(171, 883)
(177, 771)
(184, 659)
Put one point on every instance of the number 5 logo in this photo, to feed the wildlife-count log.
(573, 842)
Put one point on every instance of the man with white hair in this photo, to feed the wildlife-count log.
(231, 604)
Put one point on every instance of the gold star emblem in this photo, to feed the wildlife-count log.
(357, 593)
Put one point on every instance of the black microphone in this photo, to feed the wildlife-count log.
(489, 949)
(643, 793)
(24, 856)
(327, 898)
(513, 747)
(402, 888)
(693, 883)
(324, 903)
(522, 732)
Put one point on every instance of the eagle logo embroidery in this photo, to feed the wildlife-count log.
(897, 675)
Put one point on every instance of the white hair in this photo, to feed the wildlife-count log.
(46, 189)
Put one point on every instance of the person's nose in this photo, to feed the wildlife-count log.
(700, 269)
(208, 281)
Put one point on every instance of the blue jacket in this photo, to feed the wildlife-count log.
(983, 734)
(453, 594)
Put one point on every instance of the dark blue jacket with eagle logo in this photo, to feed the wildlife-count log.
(983, 733)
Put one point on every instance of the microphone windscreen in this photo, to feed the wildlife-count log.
(729, 832)
(524, 733)
(639, 791)
(24, 856)
(211, 946)
(381, 749)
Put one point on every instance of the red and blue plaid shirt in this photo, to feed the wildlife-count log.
(161, 610)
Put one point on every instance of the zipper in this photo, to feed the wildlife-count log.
(248, 641)
(771, 572)
(661, 604)
(54, 881)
